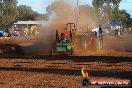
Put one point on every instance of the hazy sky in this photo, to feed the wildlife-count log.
(40, 5)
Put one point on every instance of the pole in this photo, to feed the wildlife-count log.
(78, 15)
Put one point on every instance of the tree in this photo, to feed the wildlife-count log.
(105, 9)
(44, 17)
(26, 13)
(9, 12)
(129, 22)
(124, 16)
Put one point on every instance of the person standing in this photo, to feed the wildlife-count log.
(100, 37)
(100, 31)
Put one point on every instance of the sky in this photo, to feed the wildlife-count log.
(40, 5)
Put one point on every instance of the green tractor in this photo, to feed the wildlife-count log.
(64, 43)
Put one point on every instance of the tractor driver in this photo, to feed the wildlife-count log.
(64, 35)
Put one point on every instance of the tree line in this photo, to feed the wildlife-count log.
(105, 11)
(10, 12)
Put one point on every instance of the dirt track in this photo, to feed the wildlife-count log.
(60, 71)
(39, 71)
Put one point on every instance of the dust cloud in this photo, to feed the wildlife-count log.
(60, 13)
